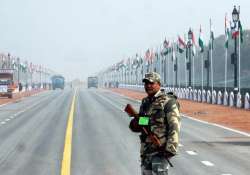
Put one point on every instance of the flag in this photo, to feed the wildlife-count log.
(211, 41)
(236, 30)
(147, 56)
(194, 44)
(226, 32)
(135, 63)
(241, 31)
(181, 45)
(201, 41)
(165, 49)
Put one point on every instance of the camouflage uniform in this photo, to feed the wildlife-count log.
(164, 119)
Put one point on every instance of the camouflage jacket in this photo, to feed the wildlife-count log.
(163, 111)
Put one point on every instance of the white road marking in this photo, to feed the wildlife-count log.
(180, 145)
(226, 174)
(110, 102)
(207, 163)
(191, 153)
(220, 126)
(3, 123)
(7, 119)
(11, 117)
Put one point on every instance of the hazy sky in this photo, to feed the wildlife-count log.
(78, 38)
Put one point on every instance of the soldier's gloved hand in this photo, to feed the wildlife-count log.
(134, 125)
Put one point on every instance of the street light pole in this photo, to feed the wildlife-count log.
(234, 57)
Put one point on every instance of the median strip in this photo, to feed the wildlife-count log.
(66, 161)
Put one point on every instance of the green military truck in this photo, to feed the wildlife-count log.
(58, 82)
(93, 82)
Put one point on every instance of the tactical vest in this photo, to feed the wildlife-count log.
(157, 108)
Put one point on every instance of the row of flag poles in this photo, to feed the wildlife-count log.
(172, 49)
(7, 61)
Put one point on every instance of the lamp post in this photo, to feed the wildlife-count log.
(234, 57)
(189, 64)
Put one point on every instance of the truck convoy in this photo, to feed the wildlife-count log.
(92, 82)
(7, 83)
(57, 82)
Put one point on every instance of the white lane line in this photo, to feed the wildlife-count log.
(11, 117)
(220, 126)
(7, 119)
(180, 145)
(193, 153)
(3, 123)
(207, 163)
(110, 102)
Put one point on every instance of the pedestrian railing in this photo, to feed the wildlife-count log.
(198, 95)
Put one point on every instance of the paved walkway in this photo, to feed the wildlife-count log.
(227, 116)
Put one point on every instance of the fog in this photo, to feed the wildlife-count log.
(78, 38)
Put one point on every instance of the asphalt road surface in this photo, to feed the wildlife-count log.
(36, 138)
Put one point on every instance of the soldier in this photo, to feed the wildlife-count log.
(163, 115)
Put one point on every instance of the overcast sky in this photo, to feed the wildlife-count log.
(78, 37)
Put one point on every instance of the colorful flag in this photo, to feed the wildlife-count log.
(236, 30)
(194, 44)
(165, 47)
(226, 32)
(201, 41)
(181, 45)
(211, 41)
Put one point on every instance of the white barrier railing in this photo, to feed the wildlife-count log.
(214, 97)
(239, 102)
(231, 99)
(203, 96)
(246, 103)
(225, 98)
(199, 95)
(195, 95)
(219, 98)
(208, 96)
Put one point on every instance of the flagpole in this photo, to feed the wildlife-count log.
(226, 69)
(173, 76)
(193, 67)
(211, 57)
(168, 71)
(239, 29)
(178, 65)
(239, 59)
(202, 57)
(185, 66)
(226, 50)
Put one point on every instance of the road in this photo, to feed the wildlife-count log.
(32, 138)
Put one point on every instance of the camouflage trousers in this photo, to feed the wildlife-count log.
(154, 165)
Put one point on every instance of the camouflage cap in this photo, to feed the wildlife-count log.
(152, 77)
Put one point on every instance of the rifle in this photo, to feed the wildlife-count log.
(133, 113)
